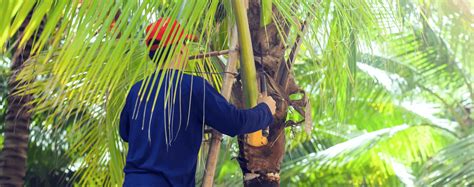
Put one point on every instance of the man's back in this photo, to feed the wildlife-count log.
(165, 135)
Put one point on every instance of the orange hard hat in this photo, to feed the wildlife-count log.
(156, 31)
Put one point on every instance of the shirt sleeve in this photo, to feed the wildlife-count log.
(125, 120)
(221, 115)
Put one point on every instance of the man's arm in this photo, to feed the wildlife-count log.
(225, 117)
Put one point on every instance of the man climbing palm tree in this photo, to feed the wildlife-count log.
(164, 134)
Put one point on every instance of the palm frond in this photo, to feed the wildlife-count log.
(373, 158)
(452, 166)
(89, 66)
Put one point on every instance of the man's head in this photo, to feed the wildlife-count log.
(162, 38)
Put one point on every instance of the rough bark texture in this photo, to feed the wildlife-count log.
(15, 146)
(264, 162)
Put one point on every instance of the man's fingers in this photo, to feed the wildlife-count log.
(269, 101)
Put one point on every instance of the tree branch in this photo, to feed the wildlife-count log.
(211, 54)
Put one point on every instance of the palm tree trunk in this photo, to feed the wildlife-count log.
(14, 154)
(261, 164)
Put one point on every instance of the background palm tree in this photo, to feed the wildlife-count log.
(365, 66)
(13, 157)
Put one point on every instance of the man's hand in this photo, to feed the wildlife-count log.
(269, 101)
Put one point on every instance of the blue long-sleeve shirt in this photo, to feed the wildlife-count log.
(164, 143)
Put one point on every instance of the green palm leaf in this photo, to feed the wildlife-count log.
(452, 166)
